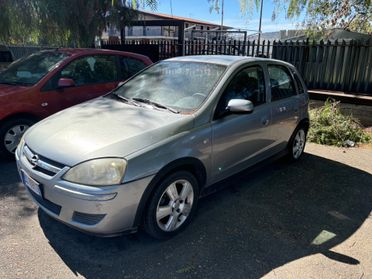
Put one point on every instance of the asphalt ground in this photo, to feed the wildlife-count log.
(309, 219)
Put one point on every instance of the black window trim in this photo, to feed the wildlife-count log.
(298, 79)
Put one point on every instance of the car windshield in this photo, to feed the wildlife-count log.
(181, 86)
(29, 70)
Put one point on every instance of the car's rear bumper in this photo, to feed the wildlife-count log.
(102, 211)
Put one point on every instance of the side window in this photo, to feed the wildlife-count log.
(300, 88)
(248, 84)
(130, 66)
(87, 70)
(282, 85)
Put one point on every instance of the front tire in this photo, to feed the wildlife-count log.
(172, 205)
(11, 133)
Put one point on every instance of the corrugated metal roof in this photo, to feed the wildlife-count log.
(186, 19)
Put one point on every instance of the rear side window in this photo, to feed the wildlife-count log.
(130, 66)
(282, 85)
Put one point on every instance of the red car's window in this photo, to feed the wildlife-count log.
(30, 70)
(87, 70)
(130, 66)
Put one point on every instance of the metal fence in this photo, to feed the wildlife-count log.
(331, 65)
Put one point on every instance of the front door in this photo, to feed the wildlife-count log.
(93, 75)
(239, 140)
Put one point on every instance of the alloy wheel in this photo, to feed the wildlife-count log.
(13, 137)
(175, 205)
(298, 143)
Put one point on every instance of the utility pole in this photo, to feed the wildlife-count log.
(222, 14)
(222, 10)
(259, 28)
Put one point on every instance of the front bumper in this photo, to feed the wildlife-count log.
(96, 210)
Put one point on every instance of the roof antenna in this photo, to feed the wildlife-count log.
(171, 7)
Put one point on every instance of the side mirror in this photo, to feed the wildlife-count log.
(121, 83)
(240, 106)
(66, 82)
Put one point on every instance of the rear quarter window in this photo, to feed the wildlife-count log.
(300, 87)
(130, 66)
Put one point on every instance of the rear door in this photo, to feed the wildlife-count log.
(284, 103)
(94, 76)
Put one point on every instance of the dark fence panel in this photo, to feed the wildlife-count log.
(332, 65)
(337, 65)
(149, 50)
(155, 49)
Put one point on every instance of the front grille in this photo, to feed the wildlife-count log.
(51, 206)
(87, 219)
(41, 164)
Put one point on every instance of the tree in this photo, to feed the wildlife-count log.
(354, 15)
(63, 22)
(320, 15)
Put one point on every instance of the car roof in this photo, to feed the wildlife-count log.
(227, 60)
(91, 51)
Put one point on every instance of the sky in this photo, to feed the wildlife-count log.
(233, 17)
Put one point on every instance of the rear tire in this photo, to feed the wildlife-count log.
(172, 205)
(11, 133)
(296, 145)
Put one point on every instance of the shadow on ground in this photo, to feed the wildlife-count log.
(263, 220)
(15, 203)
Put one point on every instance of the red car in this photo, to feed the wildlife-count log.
(48, 81)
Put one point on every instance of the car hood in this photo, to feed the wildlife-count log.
(102, 128)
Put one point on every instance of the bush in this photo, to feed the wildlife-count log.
(330, 127)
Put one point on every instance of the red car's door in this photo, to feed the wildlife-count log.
(93, 76)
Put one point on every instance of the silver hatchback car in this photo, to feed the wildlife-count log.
(146, 152)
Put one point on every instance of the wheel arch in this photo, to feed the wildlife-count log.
(190, 164)
(19, 115)
(305, 123)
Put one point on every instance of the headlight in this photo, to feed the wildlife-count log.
(98, 172)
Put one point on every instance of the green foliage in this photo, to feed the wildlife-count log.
(63, 22)
(246, 6)
(354, 15)
(330, 127)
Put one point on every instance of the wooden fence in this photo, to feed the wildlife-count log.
(331, 65)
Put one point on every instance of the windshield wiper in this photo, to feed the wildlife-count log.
(155, 104)
(128, 101)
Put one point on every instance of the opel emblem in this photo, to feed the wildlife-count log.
(34, 160)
